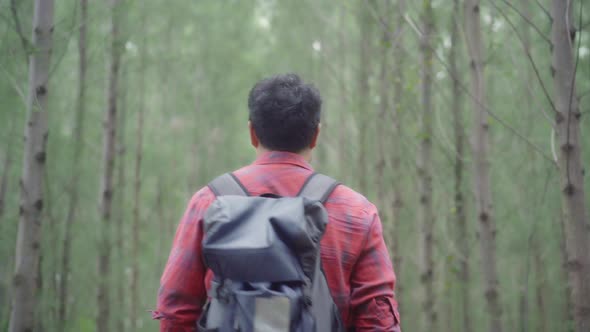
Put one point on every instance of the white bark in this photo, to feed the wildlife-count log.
(425, 170)
(483, 196)
(22, 317)
(567, 127)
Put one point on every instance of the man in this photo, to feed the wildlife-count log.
(284, 127)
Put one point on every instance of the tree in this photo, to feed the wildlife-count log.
(108, 161)
(381, 119)
(24, 302)
(364, 73)
(483, 197)
(398, 92)
(567, 128)
(137, 186)
(462, 237)
(73, 190)
(425, 168)
(121, 204)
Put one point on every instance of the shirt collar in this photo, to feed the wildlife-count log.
(282, 157)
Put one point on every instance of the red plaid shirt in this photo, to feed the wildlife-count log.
(354, 257)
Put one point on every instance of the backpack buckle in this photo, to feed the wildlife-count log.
(223, 292)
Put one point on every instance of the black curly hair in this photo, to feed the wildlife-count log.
(284, 112)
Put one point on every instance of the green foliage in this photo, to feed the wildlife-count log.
(201, 60)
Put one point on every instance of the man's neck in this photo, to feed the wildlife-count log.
(306, 154)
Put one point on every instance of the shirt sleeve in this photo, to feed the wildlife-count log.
(373, 303)
(182, 292)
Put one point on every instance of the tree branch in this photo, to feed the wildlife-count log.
(547, 13)
(487, 109)
(528, 21)
(24, 41)
(528, 54)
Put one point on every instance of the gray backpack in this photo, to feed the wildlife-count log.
(265, 255)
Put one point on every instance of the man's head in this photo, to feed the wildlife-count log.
(284, 113)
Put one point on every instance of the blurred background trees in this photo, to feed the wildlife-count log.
(434, 109)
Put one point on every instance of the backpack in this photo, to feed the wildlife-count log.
(265, 255)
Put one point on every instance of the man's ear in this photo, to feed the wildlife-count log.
(253, 138)
(314, 141)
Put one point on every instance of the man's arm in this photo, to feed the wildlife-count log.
(182, 291)
(373, 303)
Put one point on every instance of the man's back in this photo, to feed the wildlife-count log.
(284, 115)
(354, 256)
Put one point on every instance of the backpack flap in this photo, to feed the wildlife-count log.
(257, 239)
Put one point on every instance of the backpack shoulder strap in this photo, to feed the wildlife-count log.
(318, 187)
(227, 184)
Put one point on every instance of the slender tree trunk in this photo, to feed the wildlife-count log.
(425, 169)
(22, 316)
(483, 197)
(382, 134)
(568, 311)
(523, 305)
(540, 287)
(73, 189)
(536, 245)
(567, 127)
(108, 159)
(121, 204)
(459, 201)
(344, 120)
(161, 228)
(363, 110)
(398, 92)
(533, 246)
(136, 193)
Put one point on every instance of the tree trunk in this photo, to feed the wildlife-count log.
(108, 160)
(462, 232)
(73, 189)
(22, 316)
(567, 127)
(136, 192)
(524, 306)
(540, 287)
(398, 92)
(382, 134)
(363, 110)
(121, 205)
(162, 235)
(568, 314)
(483, 197)
(343, 119)
(425, 169)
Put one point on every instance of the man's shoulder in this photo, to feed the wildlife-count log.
(352, 199)
(342, 196)
(203, 197)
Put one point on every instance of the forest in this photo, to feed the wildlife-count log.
(465, 121)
